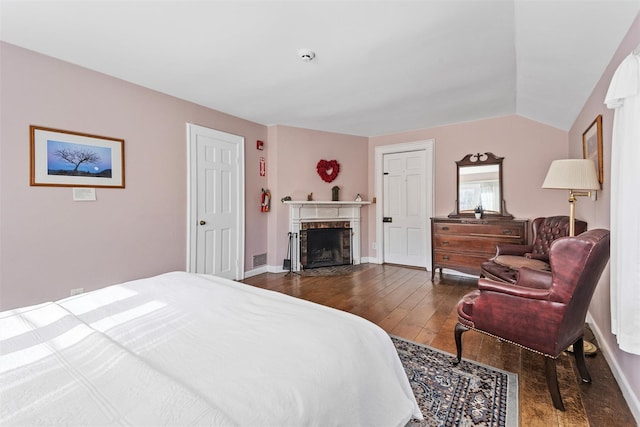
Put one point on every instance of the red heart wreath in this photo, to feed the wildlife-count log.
(328, 170)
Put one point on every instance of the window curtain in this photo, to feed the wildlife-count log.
(488, 192)
(624, 97)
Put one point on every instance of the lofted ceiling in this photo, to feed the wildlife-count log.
(381, 67)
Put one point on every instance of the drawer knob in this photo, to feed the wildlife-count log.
(446, 258)
(445, 228)
(507, 232)
(445, 242)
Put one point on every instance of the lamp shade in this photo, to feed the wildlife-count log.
(572, 174)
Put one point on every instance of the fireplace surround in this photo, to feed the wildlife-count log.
(314, 215)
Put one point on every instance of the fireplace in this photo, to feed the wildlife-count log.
(325, 244)
(305, 216)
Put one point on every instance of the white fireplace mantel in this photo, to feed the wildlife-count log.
(319, 211)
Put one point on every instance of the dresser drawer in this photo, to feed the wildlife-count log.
(465, 262)
(508, 231)
(452, 242)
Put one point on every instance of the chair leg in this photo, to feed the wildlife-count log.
(578, 353)
(552, 382)
(458, 335)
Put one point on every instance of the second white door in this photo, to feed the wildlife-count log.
(405, 208)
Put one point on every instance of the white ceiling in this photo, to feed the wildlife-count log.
(381, 66)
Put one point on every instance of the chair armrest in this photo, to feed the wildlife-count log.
(512, 249)
(534, 278)
(488, 285)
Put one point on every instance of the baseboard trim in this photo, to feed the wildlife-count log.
(256, 271)
(458, 273)
(618, 373)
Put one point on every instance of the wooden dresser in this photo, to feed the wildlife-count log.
(463, 244)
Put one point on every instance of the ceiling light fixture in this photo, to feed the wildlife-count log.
(306, 54)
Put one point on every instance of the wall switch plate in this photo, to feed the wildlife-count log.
(84, 194)
(76, 291)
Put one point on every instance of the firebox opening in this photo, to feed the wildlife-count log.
(324, 247)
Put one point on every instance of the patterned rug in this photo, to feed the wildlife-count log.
(469, 394)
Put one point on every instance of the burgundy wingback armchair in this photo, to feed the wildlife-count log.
(544, 311)
(544, 231)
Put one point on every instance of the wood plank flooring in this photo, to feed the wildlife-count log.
(404, 302)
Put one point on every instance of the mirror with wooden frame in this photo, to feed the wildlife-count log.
(479, 187)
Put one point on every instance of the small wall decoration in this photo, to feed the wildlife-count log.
(592, 145)
(71, 159)
(328, 169)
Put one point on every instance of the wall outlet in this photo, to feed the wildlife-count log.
(76, 291)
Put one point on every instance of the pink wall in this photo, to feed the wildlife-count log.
(50, 244)
(293, 173)
(528, 148)
(598, 214)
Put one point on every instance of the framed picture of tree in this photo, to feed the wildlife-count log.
(63, 158)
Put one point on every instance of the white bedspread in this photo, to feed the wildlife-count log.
(182, 349)
(55, 370)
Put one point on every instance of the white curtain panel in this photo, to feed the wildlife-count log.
(624, 96)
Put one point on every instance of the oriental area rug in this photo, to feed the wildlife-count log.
(469, 394)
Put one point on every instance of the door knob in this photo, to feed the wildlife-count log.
(202, 222)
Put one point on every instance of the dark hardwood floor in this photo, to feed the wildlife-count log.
(404, 302)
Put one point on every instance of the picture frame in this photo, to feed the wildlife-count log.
(62, 158)
(592, 146)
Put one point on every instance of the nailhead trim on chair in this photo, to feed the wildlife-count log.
(505, 340)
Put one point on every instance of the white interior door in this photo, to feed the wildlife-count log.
(217, 203)
(405, 208)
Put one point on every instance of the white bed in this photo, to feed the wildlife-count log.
(182, 349)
